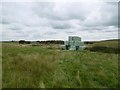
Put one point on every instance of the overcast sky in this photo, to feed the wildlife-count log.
(54, 20)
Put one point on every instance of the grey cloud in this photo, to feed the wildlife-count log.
(64, 12)
(111, 11)
(21, 13)
(38, 36)
(5, 22)
(14, 28)
(92, 28)
(107, 15)
(61, 26)
(69, 32)
(56, 24)
(44, 20)
(50, 33)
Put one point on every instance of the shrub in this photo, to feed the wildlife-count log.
(22, 42)
(104, 49)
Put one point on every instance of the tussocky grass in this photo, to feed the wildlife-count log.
(25, 66)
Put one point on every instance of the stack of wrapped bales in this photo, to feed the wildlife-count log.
(73, 43)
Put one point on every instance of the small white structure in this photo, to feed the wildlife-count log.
(73, 43)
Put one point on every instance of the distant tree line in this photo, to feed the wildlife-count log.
(51, 42)
(42, 42)
(24, 42)
(88, 42)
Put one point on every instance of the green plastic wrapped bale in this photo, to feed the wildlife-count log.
(77, 43)
(71, 43)
(77, 39)
(72, 48)
(70, 38)
(74, 38)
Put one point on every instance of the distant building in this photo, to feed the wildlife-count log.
(73, 43)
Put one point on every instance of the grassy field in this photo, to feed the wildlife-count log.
(46, 66)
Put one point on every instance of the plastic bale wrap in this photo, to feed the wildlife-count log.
(70, 38)
(77, 39)
(77, 43)
(71, 43)
(72, 48)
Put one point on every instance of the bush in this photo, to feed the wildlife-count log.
(24, 42)
(104, 49)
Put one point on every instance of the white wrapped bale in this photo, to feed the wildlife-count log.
(74, 38)
(70, 38)
(77, 39)
(77, 43)
(71, 43)
(72, 48)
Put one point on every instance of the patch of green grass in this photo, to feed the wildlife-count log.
(105, 46)
(38, 66)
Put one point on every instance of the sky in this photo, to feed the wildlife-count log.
(92, 20)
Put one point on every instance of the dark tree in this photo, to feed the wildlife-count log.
(27, 42)
(22, 42)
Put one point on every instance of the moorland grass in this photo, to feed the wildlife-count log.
(26, 66)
